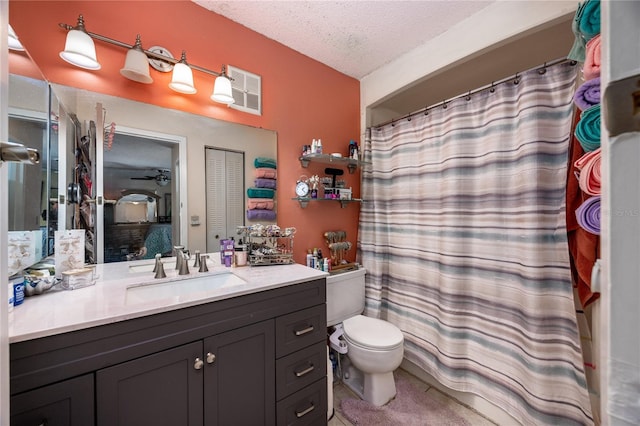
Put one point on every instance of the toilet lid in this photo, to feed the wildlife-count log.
(372, 332)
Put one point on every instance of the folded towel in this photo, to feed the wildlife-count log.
(589, 22)
(260, 203)
(588, 128)
(588, 215)
(590, 175)
(260, 214)
(588, 94)
(577, 51)
(264, 162)
(265, 172)
(265, 183)
(260, 193)
(591, 67)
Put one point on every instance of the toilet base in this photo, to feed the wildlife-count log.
(376, 389)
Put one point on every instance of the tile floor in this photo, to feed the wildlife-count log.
(341, 391)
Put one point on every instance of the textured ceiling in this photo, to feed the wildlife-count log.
(353, 37)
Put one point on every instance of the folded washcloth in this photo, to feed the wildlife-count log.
(588, 215)
(591, 67)
(588, 94)
(588, 128)
(260, 193)
(590, 175)
(265, 183)
(264, 162)
(589, 23)
(260, 203)
(260, 214)
(585, 25)
(265, 172)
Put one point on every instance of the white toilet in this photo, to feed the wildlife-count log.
(374, 347)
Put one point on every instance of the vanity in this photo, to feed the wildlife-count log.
(232, 346)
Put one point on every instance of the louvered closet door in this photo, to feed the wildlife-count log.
(225, 195)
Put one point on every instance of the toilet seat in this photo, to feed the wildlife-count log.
(372, 333)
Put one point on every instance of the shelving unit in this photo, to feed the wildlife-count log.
(304, 201)
(351, 164)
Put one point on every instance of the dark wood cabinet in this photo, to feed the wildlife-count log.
(220, 363)
(67, 403)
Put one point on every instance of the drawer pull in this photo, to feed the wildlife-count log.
(305, 412)
(305, 371)
(304, 331)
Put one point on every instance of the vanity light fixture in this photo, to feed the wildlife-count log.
(14, 43)
(136, 65)
(182, 77)
(222, 88)
(80, 51)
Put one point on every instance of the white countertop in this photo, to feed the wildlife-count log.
(109, 301)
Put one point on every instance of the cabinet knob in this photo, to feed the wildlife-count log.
(210, 358)
(198, 364)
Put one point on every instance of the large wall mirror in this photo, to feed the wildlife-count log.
(144, 168)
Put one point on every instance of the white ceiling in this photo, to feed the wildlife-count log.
(354, 37)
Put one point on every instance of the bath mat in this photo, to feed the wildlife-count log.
(410, 407)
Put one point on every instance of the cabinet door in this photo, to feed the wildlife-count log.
(68, 403)
(160, 389)
(240, 380)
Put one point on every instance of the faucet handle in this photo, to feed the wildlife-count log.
(159, 269)
(196, 263)
(203, 263)
(184, 264)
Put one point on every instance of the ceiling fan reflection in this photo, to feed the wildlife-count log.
(161, 179)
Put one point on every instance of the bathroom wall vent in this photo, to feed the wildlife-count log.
(247, 90)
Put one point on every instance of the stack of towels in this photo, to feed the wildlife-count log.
(260, 203)
(586, 49)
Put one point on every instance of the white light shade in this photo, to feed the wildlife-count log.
(136, 66)
(80, 51)
(222, 91)
(182, 79)
(14, 43)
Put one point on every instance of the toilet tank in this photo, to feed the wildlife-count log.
(345, 295)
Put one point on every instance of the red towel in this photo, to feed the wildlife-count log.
(584, 247)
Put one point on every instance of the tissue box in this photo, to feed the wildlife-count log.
(78, 278)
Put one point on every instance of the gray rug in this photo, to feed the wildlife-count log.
(410, 407)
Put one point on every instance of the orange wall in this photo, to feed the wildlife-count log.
(302, 98)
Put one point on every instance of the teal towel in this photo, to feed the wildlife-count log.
(585, 26)
(260, 193)
(269, 163)
(588, 129)
(590, 19)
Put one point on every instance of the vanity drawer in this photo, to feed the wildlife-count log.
(306, 407)
(300, 369)
(300, 329)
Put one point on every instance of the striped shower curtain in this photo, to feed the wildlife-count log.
(464, 240)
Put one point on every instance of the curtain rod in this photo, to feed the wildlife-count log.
(540, 68)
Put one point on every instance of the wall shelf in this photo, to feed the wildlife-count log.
(304, 201)
(350, 163)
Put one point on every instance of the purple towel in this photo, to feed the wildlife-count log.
(588, 94)
(261, 214)
(265, 183)
(588, 215)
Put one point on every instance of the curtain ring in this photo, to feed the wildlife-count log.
(468, 97)
(444, 104)
(543, 70)
(493, 87)
(516, 80)
(426, 110)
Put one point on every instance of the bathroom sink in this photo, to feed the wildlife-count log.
(148, 267)
(180, 287)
